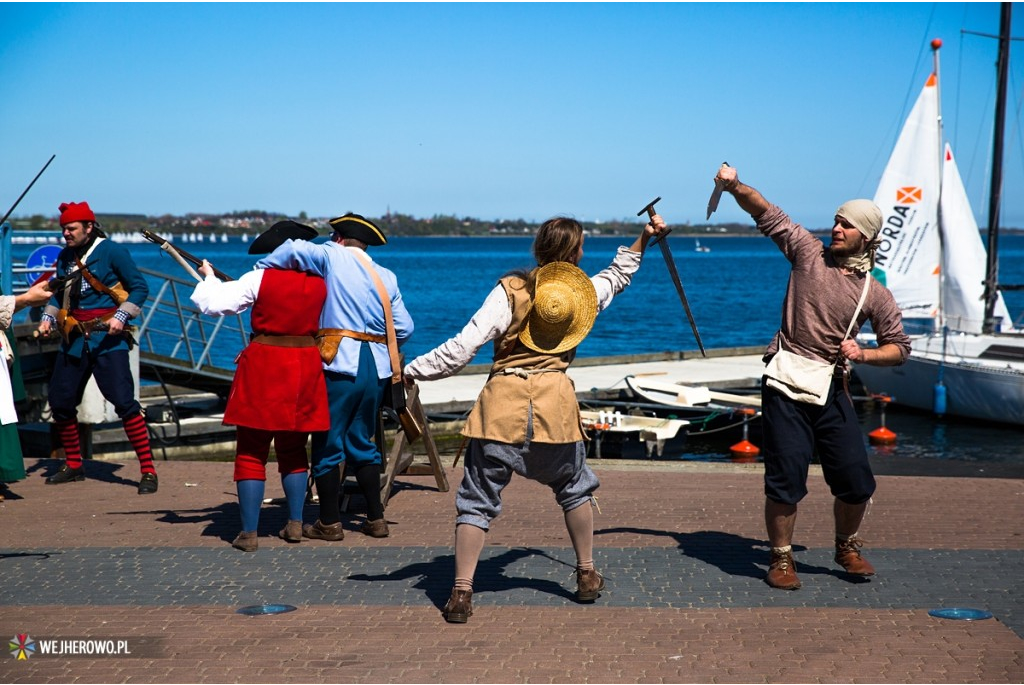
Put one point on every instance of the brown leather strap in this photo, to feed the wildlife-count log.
(118, 294)
(345, 333)
(385, 300)
(285, 340)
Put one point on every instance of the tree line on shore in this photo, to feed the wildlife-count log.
(256, 221)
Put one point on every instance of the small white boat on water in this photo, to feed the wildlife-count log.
(628, 436)
(688, 396)
(699, 247)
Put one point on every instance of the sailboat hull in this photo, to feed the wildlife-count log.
(981, 373)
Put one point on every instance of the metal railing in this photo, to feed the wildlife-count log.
(180, 345)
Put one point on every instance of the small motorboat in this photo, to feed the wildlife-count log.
(629, 436)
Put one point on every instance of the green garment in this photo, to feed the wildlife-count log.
(12, 464)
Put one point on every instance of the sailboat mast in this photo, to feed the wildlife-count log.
(936, 45)
(996, 187)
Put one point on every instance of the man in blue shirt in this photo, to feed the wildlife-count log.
(357, 367)
(102, 291)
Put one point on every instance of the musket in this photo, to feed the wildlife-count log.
(183, 257)
(25, 192)
(671, 264)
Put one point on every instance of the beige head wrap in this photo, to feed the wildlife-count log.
(866, 217)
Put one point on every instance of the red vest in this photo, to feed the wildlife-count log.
(282, 388)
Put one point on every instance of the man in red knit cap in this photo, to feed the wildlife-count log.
(103, 291)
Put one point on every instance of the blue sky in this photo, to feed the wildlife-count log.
(485, 110)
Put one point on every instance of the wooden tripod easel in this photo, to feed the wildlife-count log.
(399, 458)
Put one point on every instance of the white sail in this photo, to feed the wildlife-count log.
(964, 257)
(907, 260)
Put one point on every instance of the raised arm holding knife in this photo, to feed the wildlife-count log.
(830, 294)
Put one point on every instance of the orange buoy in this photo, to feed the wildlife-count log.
(745, 451)
(882, 435)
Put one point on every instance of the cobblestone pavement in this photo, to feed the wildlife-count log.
(682, 546)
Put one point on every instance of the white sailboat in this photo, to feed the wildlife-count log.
(699, 247)
(964, 362)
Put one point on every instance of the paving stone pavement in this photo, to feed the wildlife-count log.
(682, 546)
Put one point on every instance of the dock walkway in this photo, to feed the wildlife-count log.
(726, 368)
(682, 546)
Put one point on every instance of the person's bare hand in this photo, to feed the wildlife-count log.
(851, 350)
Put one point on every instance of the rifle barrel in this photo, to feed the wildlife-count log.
(154, 238)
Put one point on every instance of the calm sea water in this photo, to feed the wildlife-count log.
(735, 292)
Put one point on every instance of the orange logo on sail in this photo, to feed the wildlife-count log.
(908, 195)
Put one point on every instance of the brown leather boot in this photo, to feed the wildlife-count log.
(378, 528)
(247, 542)
(319, 531)
(848, 556)
(782, 571)
(459, 607)
(292, 532)
(589, 584)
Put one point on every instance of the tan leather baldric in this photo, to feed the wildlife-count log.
(521, 380)
(410, 424)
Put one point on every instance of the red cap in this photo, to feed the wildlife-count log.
(75, 211)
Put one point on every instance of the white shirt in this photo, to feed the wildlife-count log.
(217, 298)
(495, 316)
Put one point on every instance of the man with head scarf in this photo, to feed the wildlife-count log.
(830, 295)
(101, 291)
(357, 365)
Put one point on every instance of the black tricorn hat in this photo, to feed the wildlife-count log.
(360, 228)
(276, 235)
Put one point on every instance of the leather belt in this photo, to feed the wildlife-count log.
(345, 333)
(285, 340)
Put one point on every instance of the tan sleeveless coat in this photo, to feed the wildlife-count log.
(523, 378)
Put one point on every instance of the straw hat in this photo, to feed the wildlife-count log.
(563, 311)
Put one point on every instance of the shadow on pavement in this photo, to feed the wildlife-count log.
(437, 575)
(734, 555)
(103, 471)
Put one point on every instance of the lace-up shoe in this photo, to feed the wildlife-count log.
(782, 572)
(459, 607)
(849, 557)
(589, 584)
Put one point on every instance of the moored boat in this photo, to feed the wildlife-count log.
(967, 358)
(629, 436)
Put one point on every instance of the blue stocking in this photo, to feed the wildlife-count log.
(294, 485)
(250, 499)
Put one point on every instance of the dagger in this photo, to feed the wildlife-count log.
(716, 195)
(671, 264)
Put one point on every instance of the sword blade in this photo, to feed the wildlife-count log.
(671, 264)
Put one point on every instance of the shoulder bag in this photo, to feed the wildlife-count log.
(802, 379)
